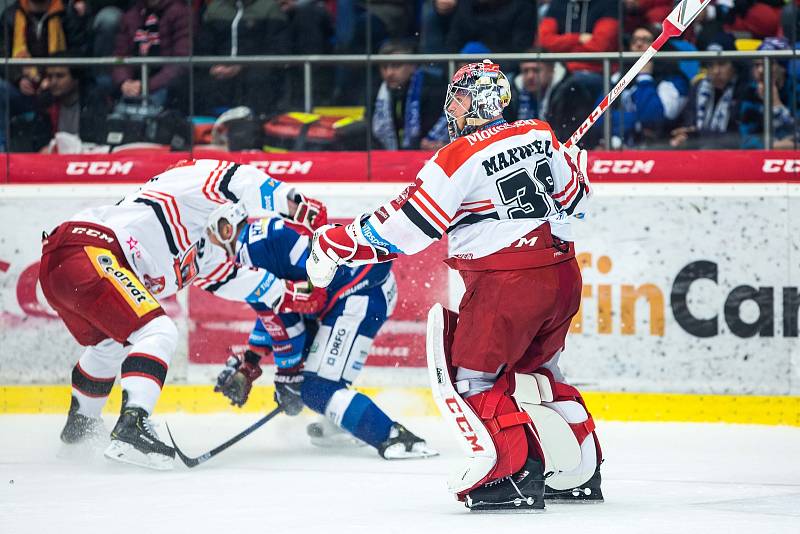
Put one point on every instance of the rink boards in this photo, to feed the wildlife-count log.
(690, 300)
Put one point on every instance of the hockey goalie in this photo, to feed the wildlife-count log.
(506, 194)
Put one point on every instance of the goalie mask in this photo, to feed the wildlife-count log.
(229, 213)
(478, 93)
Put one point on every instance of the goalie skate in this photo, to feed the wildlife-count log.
(326, 435)
(589, 492)
(521, 492)
(134, 441)
(402, 445)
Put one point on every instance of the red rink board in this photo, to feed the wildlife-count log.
(137, 166)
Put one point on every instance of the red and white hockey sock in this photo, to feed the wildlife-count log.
(145, 369)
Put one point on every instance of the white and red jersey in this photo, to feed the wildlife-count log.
(161, 227)
(486, 190)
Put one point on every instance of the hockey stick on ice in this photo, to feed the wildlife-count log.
(675, 24)
(194, 462)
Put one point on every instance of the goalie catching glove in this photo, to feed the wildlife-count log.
(335, 245)
(236, 380)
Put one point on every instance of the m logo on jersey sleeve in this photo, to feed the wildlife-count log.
(124, 281)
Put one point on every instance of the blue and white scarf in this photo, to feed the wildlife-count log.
(713, 116)
(383, 126)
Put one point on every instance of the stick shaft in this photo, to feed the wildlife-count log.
(675, 24)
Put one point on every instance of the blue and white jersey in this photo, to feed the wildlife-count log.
(280, 253)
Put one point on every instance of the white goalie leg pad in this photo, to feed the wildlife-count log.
(573, 412)
(560, 447)
(472, 435)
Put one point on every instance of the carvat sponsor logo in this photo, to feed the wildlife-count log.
(137, 293)
(746, 310)
(99, 168)
(284, 166)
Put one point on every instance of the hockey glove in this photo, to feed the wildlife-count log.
(300, 297)
(236, 380)
(309, 215)
(334, 245)
(288, 386)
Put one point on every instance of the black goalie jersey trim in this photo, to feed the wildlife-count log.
(420, 222)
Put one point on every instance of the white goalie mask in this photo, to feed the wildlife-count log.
(231, 213)
(478, 92)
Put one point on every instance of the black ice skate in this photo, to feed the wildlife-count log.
(402, 444)
(589, 492)
(134, 441)
(521, 492)
(80, 428)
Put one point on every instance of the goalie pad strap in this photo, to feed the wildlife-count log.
(496, 424)
(583, 430)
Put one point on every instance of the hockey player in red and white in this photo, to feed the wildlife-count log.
(506, 195)
(105, 270)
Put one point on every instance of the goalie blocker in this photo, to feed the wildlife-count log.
(517, 431)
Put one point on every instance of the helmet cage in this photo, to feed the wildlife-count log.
(489, 93)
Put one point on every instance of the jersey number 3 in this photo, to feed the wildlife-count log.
(528, 196)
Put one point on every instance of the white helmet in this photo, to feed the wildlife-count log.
(232, 213)
(489, 93)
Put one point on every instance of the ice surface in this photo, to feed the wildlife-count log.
(658, 478)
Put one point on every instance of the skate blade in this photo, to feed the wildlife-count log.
(122, 452)
(573, 502)
(520, 510)
(517, 506)
(398, 452)
(337, 442)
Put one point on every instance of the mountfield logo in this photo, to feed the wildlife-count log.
(623, 166)
(99, 168)
(630, 297)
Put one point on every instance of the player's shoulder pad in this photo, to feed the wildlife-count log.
(452, 156)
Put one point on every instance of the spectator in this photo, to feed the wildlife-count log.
(533, 89)
(580, 26)
(751, 111)
(645, 12)
(153, 28)
(387, 19)
(711, 118)
(37, 28)
(105, 25)
(242, 28)
(501, 25)
(310, 32)
(652, 103)
(436, 18)
(756, 18)
(408, 103)
(65, 103)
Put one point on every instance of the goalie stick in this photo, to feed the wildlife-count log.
(194, 462)
(675, 24)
